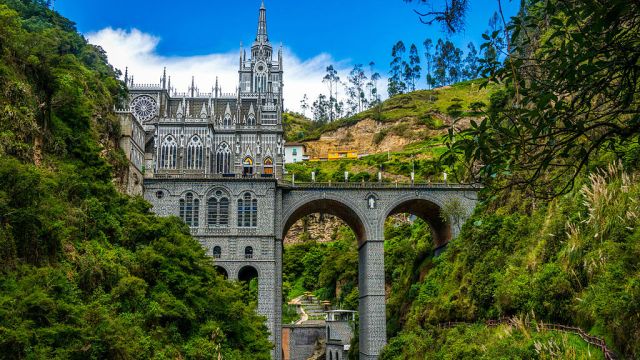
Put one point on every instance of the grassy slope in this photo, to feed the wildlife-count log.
(85, 272)
(573, 261)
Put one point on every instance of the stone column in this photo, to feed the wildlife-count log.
(277, 335)
(266, 294)
(372, 312)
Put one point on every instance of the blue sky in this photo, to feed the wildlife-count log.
(314, 33)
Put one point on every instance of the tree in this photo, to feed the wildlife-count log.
(493, 47)
(357, 96)
(455, 66)
(396, 84)
(472, 65)
(372, 85)
(451, 16)
(413, 68)
(304, 104)
(320, 109)
(428, 56)
(571, 94)
(333, 80)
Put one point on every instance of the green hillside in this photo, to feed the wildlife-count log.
(429, 106)
(85, 272)
(573, 260)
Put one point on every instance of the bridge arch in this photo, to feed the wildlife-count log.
(425, 207)
(333, 205)
(221, 270)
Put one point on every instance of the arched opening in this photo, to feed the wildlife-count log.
(217, 252)
(222, 271)
(247, 166)
(431, 213)
(248, 277)
(332, 207)
(268, 166)
(223, 159)
(413, 229)
(247, 273)
(195, 153)
(168, 153)
(321, 258)
(248, 252)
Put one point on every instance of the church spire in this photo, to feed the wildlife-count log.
(262, 37)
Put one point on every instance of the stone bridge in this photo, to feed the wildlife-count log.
(259, 212)
(365, 207)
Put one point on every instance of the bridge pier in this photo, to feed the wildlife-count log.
(372, 310)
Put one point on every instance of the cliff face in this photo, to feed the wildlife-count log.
(369, 136)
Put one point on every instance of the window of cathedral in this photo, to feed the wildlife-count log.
(195, 153)
(169, 153)
(247, 211)
(217, 252)
(251, 121)
(247, 166)
(248, 252)
(223, 159)
(226, 121)
(190, 210)
(268, 166)
(218, 210)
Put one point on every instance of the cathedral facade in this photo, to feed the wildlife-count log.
(214, 160)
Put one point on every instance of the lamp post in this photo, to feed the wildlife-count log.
(413, 169)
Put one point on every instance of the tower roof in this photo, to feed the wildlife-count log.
(261, 37)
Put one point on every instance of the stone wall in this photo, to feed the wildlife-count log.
(299, 342)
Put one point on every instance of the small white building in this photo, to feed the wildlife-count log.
(295, 152)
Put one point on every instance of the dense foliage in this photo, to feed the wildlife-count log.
(572, 261)
(328, 269)
(85, 272)
(571, 93)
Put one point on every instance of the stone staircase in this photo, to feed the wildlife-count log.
(313, 308)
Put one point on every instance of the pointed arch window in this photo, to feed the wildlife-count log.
(251, 121)
(195, 153)
(169, 153)
(223, 159)
(247, 166)
(190, 210)
(226, 121)
(218, 210)
(268, 166)
(247, 211)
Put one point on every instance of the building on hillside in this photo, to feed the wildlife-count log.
(340, 331)
(342, 155)
(333, 155)
(295, 152)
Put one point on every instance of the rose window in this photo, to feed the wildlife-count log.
(144, 108)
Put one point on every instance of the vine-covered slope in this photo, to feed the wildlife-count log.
(86, 272)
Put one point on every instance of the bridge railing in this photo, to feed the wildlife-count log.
(179, 174)
(541, 326)
(377, 185)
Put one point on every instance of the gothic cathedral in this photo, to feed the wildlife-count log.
(214, 160)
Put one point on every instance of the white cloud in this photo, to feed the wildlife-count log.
(137, 51)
